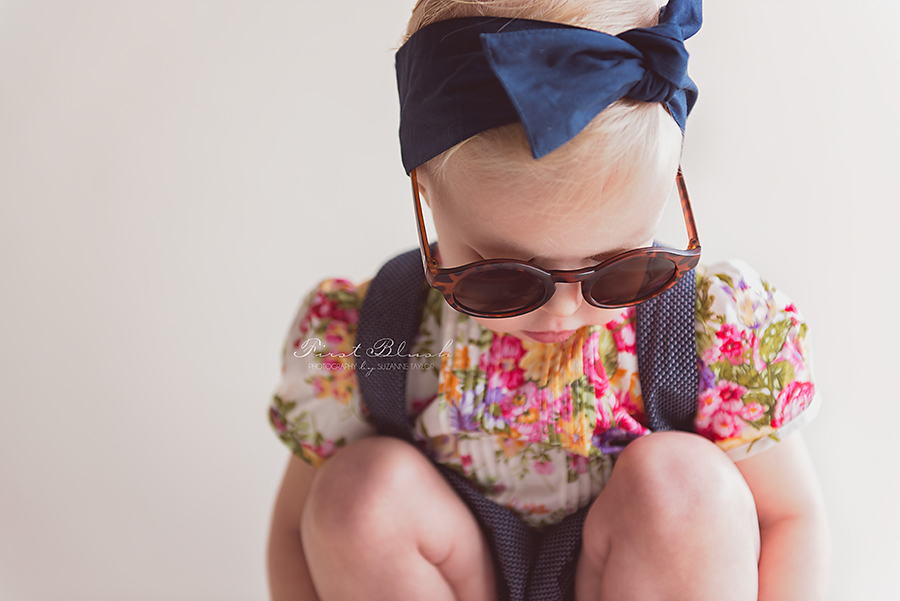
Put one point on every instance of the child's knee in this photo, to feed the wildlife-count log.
(684, 477)
(360, 486)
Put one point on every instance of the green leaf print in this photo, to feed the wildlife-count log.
(608, 352)
(484, 340)
(434, 304)
(705, 338)
(725, 370)
(747, 376)
(704, 302)
(782, 373)
(758, 396)
(283, 407)
(773, 339)
(345, 298)
(295, 447)
(725, 278)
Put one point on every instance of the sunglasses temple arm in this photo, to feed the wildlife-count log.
(420, 220)
(694, 240)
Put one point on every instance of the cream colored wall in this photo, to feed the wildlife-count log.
(175, 175)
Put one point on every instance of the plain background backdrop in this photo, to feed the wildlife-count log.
(175, 175)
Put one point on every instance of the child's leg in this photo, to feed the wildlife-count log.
(676, 521)
(382, 523)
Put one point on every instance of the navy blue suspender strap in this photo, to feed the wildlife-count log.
(531, 564)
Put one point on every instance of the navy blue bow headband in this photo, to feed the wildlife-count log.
(460, 77)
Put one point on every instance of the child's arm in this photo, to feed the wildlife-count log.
(795, 540)
(288, 575)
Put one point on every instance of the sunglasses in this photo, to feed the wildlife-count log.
(508, 287)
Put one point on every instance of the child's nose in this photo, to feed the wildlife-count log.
(565, 301)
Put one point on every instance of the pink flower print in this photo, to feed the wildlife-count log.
(544, 467)
(711, 355)
(718, 406)
(729, 391)
(526, 419)
(753, 411)
(578, 463)
(791, 402)
(604, 417)
(623, 332)
(791, 352)
(561, 407)
(791, 308)
(319, 452)
(724, 425)
(758, 363)
(277, 421)
(731, 407)
(709, 402)
(466, 462)
(327, 303)
(628, 395)
(326, 449)
(626, 422)
(336, 335)
(501, 362)
(593, 365)
(732, 345)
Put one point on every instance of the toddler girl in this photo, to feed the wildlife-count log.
(546, 154)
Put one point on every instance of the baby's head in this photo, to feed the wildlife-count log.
(600, 193)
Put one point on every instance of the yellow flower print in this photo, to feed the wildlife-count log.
(575, 436)
(555, 365)
(445, 448)
(747, 435)
(619, 380)
(511, 447)
(533, 509)
(311, 457)
(529, 417)
(338, 386)
(448, 386)
(461, 358)
(338, 337)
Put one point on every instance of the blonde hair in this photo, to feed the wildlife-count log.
(627, 141)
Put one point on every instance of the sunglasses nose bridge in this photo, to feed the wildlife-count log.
(570, 278)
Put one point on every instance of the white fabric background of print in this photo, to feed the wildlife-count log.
(174, 176)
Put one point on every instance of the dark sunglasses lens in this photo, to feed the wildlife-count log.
(495, 291)
(631, 280)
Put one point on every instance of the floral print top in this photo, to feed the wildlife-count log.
(537, 427)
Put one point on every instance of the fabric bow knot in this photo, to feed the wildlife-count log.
(463, 76)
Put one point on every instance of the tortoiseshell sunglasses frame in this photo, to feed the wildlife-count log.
(445, 279)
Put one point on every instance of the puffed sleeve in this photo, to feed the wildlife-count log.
(756, 379)
(316, 408)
